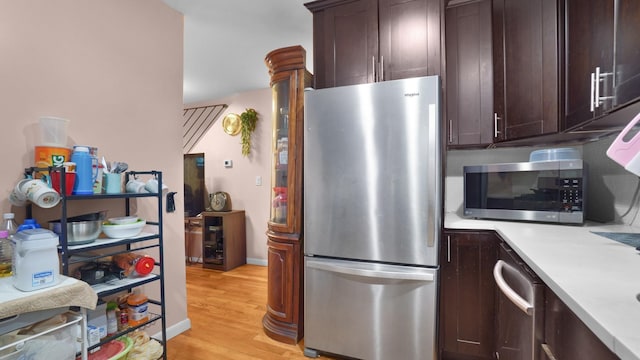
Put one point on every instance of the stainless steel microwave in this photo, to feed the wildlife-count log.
(544, 191)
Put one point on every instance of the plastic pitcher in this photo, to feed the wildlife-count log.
(54, 131)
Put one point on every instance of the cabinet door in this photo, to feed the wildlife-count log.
(283, 90)
(283, 320)
(567, 336)
(589, 44)
(469, 74)
(409, 35)
(627, 51)
(345, 43)
(525, 67)
(280, 278)
(288, 81)
(467, 293)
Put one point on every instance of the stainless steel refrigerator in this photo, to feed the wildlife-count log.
(372, 219)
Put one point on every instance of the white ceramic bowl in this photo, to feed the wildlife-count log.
(123, 220)
(116, 231)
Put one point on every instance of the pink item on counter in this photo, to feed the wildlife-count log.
(622, 151)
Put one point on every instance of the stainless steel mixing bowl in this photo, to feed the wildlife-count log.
(78, 232)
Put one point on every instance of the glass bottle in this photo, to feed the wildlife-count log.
(6, 254)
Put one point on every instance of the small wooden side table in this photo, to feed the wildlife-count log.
(224, 244)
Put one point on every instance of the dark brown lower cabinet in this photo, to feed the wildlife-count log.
(467, 293)
(476, 321)
(567, 337)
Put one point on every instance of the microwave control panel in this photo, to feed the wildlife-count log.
(571, 194)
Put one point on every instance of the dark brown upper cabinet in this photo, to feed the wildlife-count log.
(588, 53)
(502, 65)
(469, 73)
(602, 58)
(363, 41)
(627, 50)
(525, 68)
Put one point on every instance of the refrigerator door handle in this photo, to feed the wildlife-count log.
(369, 273)
(516, 299)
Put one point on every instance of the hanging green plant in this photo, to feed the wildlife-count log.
(248, 120)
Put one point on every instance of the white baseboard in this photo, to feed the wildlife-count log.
(252, 261)
(175, 330)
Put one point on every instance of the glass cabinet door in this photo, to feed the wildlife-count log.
(280, 150)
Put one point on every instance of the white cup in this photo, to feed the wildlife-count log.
(39, 193)
(152, 186)
(17, 197)
(135, 186)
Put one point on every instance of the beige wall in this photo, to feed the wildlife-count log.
(240, 180)
(114, 68)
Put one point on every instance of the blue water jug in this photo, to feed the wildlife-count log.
(84, 170)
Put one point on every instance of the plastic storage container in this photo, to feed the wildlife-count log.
(555, 154)
(138, 309)
(35, 259)
(55, 342)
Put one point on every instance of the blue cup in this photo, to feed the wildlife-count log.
(112, 183)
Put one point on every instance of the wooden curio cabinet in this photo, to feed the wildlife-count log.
(289, 77)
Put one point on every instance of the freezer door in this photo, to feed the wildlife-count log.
(369, 311)
(372, 162)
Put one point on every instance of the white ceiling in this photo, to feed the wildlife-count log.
(225, 42)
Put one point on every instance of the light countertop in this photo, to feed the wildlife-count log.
(596, 277)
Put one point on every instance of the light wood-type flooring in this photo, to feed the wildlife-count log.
(226, 310)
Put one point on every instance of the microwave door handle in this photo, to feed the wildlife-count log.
(518, 301)
(347, 270)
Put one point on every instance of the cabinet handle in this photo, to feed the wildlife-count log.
(449, 248)
(369, 272)
(597, 86)
(600, 76)
(592, 96)
(496, 132)
(381, 68)
(548, 352)
(373, 68)
(516, 299)
(450, 131)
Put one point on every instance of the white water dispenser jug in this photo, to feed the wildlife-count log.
(35, 259)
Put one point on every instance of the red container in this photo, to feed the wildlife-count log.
(70, 179)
